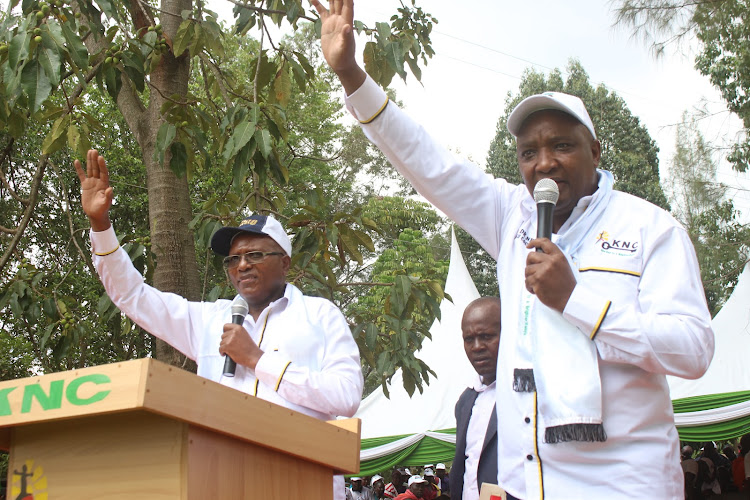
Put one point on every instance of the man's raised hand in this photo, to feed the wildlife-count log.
(337, 42)
(96, 193)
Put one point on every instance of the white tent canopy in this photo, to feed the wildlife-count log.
(433, 409)
(729, 371)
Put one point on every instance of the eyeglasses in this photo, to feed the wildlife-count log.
(232, 261)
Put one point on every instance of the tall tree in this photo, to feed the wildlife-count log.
(723, 29)
(203, 122)
(699, 203)
(627, 148)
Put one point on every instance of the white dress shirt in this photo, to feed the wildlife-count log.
(475, 435)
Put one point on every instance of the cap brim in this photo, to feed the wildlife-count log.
(531, 105)
(221, 241)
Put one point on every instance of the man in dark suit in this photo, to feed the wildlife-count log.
(476, 416)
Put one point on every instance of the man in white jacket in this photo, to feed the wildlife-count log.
(592, 322)
(293, 350)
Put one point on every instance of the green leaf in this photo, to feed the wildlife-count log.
(36, 84)
(395, 57)
(415, 69)
(178, 162)
(282, 87)
(245, 20)
(364, 240)
(50, 59)
(241, 136)
(198, 40)
(164, 138)
(18, 49)
(266, 71)
(48, 306)
(75, 47)
(305, 64)
(300, 78)
(369, 56)
(239, 171)
(371, 336)
(332, 233)
(384, 31)
(109, 9)
(133, 64)
(56, 137)
(349, 244)
(112, 81)
(150, 38)
(74, 138)
(103, 304)
(436, 289)
(46, 335)
(263, 138)
(17, 124)
(278, 169)
(184, 37)
(400, 293)
(214, 294)
(409, 382)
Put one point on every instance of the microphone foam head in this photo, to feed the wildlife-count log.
(546, 191)
(239, 306)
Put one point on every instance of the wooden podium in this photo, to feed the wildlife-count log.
(143, 429)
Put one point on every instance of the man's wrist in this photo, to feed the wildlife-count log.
(99, 224)
(254, 358)
(351, 78)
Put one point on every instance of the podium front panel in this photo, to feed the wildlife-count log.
(114, 457)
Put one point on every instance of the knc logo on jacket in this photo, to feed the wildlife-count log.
(616, 246)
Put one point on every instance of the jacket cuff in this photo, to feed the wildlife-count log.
(367, 102)
(587, 311)
(271, 369)
(104, 242)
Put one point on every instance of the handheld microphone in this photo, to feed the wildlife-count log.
(546, 194)
(239, 311)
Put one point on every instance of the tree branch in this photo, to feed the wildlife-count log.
(33, 196)
(263, 11)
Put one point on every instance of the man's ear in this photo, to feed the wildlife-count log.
(286, 262)
(596, 151)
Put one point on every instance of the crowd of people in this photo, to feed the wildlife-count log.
(432, 482)
(710, 473)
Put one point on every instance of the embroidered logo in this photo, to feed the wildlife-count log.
(616, 246)
(248, 222)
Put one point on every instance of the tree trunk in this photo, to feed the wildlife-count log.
(169, 198)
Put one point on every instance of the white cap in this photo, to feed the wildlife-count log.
(221, 241)
(566, 103)
(416, 479)
(440, 467)
(428, 472)
(375, 479)
(355, 479)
